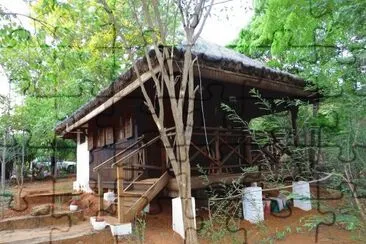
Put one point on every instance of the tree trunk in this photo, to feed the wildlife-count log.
(3, 163)
(185, 192)
(53, 166)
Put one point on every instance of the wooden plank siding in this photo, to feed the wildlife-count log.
(129, 119)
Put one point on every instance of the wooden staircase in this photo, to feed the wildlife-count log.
(137, 195)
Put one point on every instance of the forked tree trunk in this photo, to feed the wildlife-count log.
(193, 17)
(185, 193)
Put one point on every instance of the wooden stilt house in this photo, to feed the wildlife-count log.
(115, 128)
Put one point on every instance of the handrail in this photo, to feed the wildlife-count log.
(136, 151)
(134, 181)
(144, 146)
(118, 154)
(129, 155)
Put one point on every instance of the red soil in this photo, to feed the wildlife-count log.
(159, 226)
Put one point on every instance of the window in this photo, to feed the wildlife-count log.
(101, 137)
(128, 127)
(90, 141)
(82, 138)
(120, 131)
(125, 128)
(109, 135)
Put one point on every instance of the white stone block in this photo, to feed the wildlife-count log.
(302, 196)
(122, 229)
(253, 204)
(177, 212)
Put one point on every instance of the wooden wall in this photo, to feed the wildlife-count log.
(108, 139)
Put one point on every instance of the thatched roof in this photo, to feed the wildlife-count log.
(208, 54)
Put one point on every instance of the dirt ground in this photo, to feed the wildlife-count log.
(156, 227)
(58, 193)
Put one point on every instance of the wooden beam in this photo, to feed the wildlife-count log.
(100, 194)
(198, 183)
(203, 147)
(118, 96)
(233, 150)
(204, 153)
(282, 86)
(120, 207)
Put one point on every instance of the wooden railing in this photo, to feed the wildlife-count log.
(134, 152)
(217, 139)
(139, 140)
(142, 147)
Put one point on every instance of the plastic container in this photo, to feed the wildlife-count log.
(253, 204)
(301, 192)
(99, 225)
(73, 207)
(92, 220)
(109, 196)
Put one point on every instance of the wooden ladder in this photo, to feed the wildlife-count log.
(137, 195)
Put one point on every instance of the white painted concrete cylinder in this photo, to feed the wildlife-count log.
(301, 191)
(82, 166)
(177, 215)
(253, 204)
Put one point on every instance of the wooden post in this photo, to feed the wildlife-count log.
(217, 151)
(120, 210)
(248, 148)
(294, 112)
(312, 154)
(100, 193)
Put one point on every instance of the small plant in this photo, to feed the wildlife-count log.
(140, 228)
(280, 235)
(348, 221)
(263, 228)
(288, 229)
(58, 203)
(312, 222)
(298, 230)
(268, 240)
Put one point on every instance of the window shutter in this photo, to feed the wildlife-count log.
(109, 136)
(90, 141)
(121, 132)
(128, 127)
(101, 137)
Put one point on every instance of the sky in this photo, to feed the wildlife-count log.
(227, 18)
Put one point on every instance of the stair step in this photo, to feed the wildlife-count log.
(149, 180)
(133, 193)
(143, 183)
(140, 193)
(126, 204)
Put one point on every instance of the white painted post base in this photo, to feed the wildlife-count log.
(147, 208)
(75, 186)
(301, 191)
(177, 215)
(122, 229)
(116, 229)
(253, 204)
